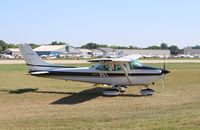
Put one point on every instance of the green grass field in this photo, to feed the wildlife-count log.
(28, 102)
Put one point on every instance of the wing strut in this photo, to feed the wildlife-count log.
(125, 72)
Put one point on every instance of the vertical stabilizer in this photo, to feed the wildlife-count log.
(34, 62)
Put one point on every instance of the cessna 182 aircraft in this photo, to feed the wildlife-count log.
(118, 72)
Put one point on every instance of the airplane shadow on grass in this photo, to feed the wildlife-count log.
(80, 97)
(72, 98)
(86, 95)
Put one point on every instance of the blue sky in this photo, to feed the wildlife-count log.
(114, 22)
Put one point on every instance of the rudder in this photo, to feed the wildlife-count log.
(32, 59)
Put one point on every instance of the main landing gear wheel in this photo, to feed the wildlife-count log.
(111, 92)
(115, 90)
(147, 92)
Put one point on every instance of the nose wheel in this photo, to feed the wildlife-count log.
(147, 92)
(111, 92)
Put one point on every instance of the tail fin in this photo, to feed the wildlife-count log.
(34, 62)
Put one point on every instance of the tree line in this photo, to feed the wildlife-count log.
(163, 46)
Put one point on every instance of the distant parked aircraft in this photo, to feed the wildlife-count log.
(5, 56)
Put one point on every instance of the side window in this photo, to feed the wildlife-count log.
(110, 67)
(103, 68)
(116, 67)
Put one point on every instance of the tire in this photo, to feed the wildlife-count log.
(111, 92)
(147, 92)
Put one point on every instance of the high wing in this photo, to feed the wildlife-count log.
(122, 59)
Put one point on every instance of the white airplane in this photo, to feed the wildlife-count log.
(119, 72)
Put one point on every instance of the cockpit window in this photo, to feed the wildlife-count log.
(103, 67)
(108, 67)
(135, 65)
(116, 67)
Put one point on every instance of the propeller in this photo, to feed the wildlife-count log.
(164, 64)
(163, 82)
(163, 77)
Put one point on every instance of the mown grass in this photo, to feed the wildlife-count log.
(28, 102)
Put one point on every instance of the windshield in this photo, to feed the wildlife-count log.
(135, 64)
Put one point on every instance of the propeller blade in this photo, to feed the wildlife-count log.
(164, 64)
(163, 82)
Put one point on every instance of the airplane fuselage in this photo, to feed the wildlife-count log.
(90, 74)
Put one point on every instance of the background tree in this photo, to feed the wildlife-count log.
(1, 49)
(164, 46)
(57, 43)
(3, 45)
(196, 47)
(33, 45)
(133, 47)
(92, 45)
(154, 47)
(12, 46)
(174, 50)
